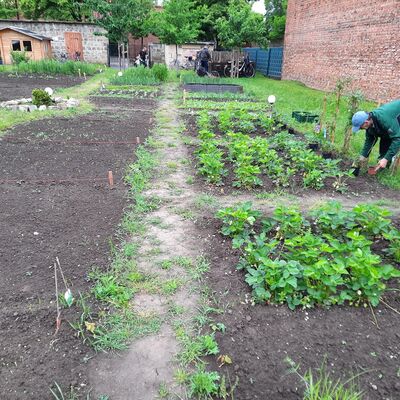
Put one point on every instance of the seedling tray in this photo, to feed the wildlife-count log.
(305, 116)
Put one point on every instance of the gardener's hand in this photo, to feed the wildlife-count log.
(381, 164)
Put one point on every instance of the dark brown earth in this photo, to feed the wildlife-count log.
(259, 337)
(14, 87)
(58, 217)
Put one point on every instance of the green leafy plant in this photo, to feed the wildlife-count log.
(160, 72)
(203, 384)
(41, 98)
(238, 221)
(108, 289)
(19, 57)
(329, 260)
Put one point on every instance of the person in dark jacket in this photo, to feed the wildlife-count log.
(143, 56)
(384, 124)
(205, 57)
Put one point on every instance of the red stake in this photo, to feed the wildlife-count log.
(110, 179)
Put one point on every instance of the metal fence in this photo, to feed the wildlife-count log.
(268, 61)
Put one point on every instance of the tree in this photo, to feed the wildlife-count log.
(64, 10)
(9, 9)
(214, 9)
(242, 26)
(120, 18)
(275, 16)
(179, 22)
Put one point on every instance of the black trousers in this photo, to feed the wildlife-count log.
(384, 145)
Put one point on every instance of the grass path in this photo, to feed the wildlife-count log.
(168, 258)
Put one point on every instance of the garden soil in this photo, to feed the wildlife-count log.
(48, 215)
(259, 338)
(14, 87)
(55, 201)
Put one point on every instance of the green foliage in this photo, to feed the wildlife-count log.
(178, 23)
(61, 10)
(275, 17)
(240, 26)
(320, 385)
(18, 57)
(108, 289)
(122, 17)
(51, 67)
(203, 384)
(160, 71)
(41, 98)
(328, 260)
(211, 162)
(139, 76)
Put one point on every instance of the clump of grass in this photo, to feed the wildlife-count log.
(320, 385)
(138, 76)
(54, 67)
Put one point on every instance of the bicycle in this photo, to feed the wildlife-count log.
(189, 64)
(245, 69)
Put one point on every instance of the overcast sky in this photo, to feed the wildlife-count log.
(259, 6)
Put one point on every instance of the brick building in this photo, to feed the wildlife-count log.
(326, 40)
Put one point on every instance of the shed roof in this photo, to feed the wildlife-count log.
(26, 32)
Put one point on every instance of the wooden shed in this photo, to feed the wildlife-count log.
(12, 38)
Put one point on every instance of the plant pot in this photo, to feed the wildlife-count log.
(291, 131)
(313, 146)
(304, 116)
(284, 127)
(372, 171)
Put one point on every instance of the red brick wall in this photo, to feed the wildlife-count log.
(326, 40)
(135, 45)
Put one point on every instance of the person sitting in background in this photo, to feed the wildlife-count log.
(382, 123)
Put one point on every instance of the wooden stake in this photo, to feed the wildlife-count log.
(184, 96)
(58, 319)
(79, 72)
(84, 75)
(110, 179)
(137, 139)
(322, 119)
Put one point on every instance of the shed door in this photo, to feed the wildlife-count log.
(73, 44)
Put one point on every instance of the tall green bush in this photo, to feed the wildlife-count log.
(160, 71)
(19, 57)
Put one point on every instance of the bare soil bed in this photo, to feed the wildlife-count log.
(45, 213)
(16, 87)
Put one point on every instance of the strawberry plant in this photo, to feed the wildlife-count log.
(238, 221)
(328, 260)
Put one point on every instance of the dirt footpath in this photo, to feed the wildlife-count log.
(55, 202)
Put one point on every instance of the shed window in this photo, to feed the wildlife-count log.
(16, 45)
(27, 45)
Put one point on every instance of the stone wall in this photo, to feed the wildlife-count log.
(95, 47)
(326, 40)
